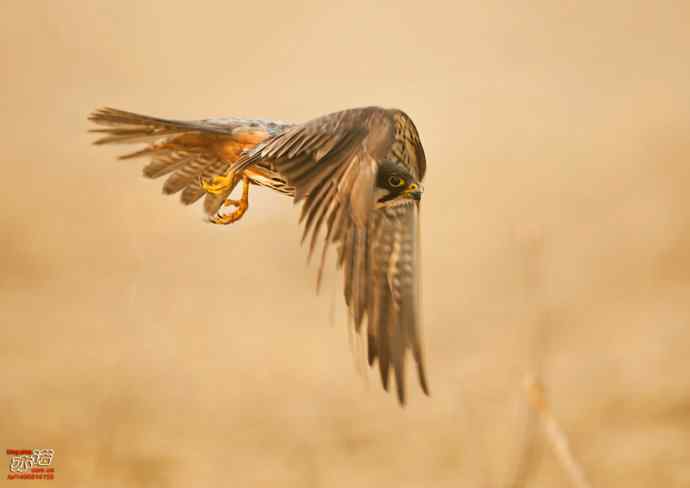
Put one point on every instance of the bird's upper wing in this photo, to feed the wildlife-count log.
(186, 151)
(332, 162)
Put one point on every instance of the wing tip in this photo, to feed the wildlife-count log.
(400, 388)
(423, 382)
(102, 114)
(384, 371)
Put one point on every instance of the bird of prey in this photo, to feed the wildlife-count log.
(358, 174)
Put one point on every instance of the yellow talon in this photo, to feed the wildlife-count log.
(217, 185)
(242, 205)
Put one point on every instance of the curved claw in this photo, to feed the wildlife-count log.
(242, 205)
(229, 218)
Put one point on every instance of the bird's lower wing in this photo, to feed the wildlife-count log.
(384, 283)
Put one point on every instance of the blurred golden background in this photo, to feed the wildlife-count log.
(151, 349)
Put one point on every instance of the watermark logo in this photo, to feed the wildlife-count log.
(31, 464)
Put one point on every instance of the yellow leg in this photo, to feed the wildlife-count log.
(242, 205)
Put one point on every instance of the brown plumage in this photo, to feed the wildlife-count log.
(358, 175)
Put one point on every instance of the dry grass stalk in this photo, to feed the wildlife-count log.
(555, 434)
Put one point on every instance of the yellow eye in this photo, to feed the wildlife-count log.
(396, 181)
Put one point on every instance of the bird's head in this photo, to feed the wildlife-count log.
(394, 182)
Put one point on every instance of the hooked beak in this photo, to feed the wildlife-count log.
(414, 191)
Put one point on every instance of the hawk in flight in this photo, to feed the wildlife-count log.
(358, 174)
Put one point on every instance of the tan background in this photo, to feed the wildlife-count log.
(151, 349)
